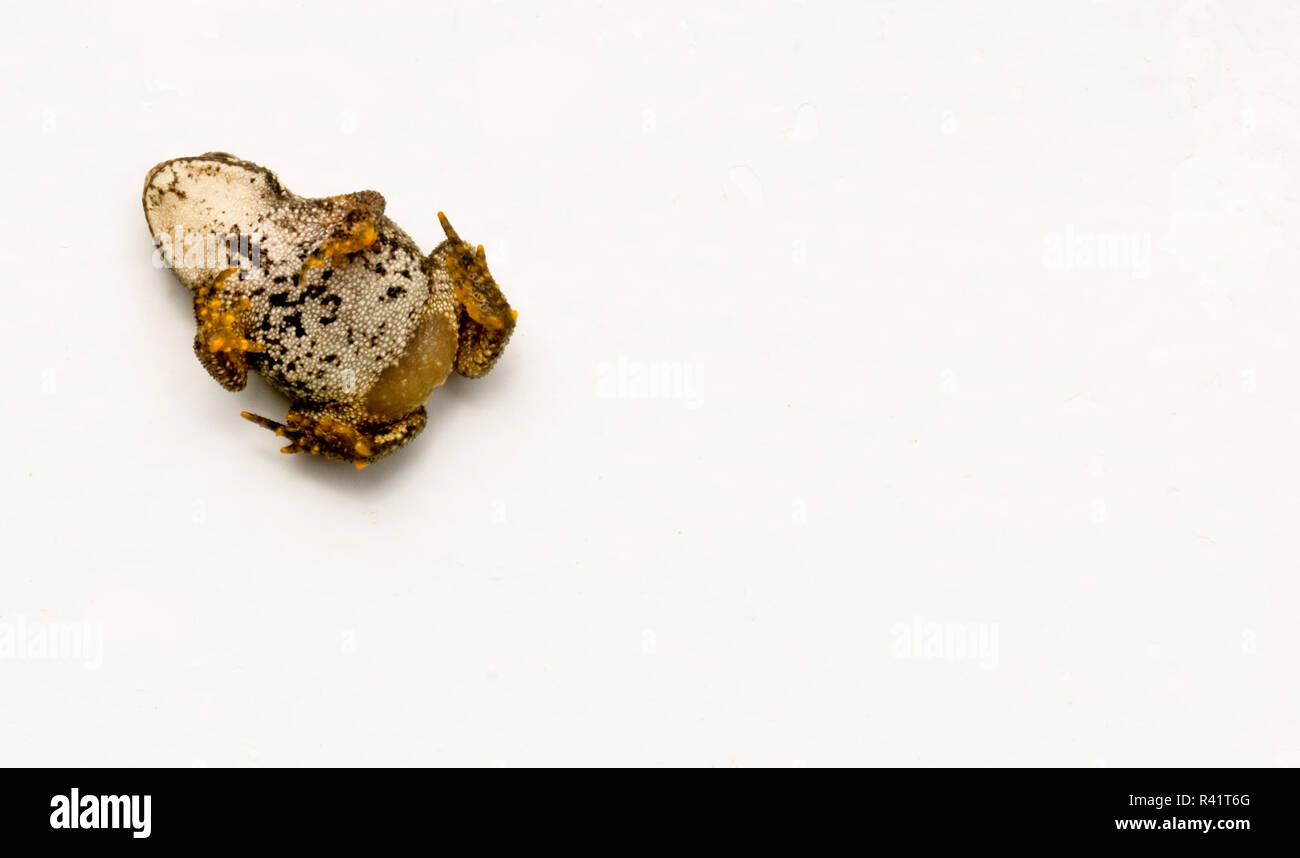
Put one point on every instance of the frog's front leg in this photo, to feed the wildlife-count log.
(222, 342)
(356, 232)
(336, 434)
(486, 320)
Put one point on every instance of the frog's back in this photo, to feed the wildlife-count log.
(328, 326)
(330, 330)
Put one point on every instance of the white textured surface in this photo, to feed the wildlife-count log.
(895, 394)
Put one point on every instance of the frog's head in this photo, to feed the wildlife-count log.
(199, 202)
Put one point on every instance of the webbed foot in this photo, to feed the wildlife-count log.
(486, 319)
(319, 433)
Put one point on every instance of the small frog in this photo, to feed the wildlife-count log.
(327, 298)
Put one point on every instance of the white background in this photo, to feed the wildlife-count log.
(897, 416)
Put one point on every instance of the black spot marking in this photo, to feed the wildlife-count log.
(295, 321)
(282, 299)
(331, 303)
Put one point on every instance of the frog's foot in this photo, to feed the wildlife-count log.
(222, 342)
(355, 234)
(315, 431)
(486, 320)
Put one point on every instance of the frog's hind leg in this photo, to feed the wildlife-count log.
(222, 342)
(486, 320)
(333, 435)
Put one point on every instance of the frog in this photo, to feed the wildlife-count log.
(327, 299)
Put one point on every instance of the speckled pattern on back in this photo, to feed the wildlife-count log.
(328, 335)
